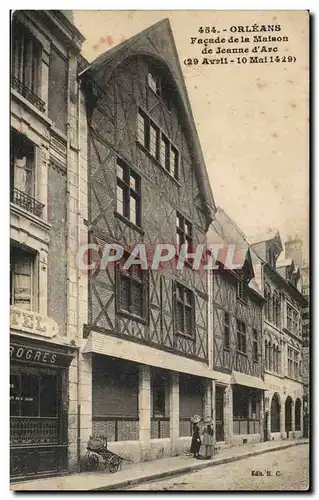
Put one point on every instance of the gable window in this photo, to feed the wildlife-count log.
(158, 84)
(184, 231)
(184, 310)
(22, 278)
(255, 345)
(128, 193)
(226, 329)
(157, 144)
(241, 336)
(132, 290)
(154, 82)
(25, 64)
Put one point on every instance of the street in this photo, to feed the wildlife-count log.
(281, 470)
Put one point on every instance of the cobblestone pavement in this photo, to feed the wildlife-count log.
(282, 470)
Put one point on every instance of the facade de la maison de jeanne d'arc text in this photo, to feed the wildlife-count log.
(104, 152)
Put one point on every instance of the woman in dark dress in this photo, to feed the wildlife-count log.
(196, 441)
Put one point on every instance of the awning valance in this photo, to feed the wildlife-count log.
(247, 380)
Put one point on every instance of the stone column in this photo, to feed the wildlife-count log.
(207, 402)
(85, 400)
(144, 409)
(282, 418)
(228, 413)
(174, 412)
(213, 403)
(293, 423)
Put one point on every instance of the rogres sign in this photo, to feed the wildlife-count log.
(31, 354)
(32, 322)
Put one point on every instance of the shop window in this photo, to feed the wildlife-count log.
(128, 194)
(240, 403)
(184, 310)
(22, 263)
(33, 395)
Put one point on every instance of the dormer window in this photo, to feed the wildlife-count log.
(271, 256)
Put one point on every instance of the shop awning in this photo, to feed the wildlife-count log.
(100, 343)
(247, 380)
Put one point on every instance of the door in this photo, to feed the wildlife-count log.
(219, 405)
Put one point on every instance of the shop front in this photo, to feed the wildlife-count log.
(38, 407)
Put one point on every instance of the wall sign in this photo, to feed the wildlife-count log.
(49, 357)
(31, 322)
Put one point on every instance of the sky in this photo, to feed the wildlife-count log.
(252, 119)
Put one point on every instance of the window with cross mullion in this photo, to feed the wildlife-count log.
(128, 194)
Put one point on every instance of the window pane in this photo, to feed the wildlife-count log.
(174, 162)
(152, 82)
(29, 395)
(141, 128)
(48, 396)
(133, 210)
(188, 320)
(137, 298)
(14, 395)
(119, 171)
(120, 200)
(132, 182)
(164, 158)
(22, 282)
(125, 293)
(179, 317)
(153, 140)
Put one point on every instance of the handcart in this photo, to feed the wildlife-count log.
(97, 456)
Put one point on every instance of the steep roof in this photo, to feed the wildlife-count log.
(157, 41)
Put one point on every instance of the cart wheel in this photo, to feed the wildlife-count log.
(93, 462)
(114, 464)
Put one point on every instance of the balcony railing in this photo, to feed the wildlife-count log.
(27, 202)
(27, 93)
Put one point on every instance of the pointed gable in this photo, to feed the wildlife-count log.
(157, 42)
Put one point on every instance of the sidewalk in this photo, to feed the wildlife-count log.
(148, 471)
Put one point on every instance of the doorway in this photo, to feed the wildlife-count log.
(219, 405)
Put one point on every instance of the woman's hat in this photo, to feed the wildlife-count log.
(195, 419)
(208, 420)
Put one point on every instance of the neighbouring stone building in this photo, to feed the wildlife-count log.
(282, 338)
(146, 349)
(294, 250)
(47, 211)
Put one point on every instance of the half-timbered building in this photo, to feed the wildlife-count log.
(145, 344)
(236, 303)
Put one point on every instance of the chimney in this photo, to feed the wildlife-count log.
(293, 250)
